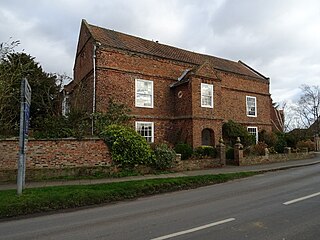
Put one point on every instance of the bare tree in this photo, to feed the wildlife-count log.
(308, 107)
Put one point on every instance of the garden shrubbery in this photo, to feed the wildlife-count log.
(232, 130)
(128, 148)
(306, 144)
(117, 113)
(258, 150)
(269, 138)
(281, 143)
(205, 152)
(164, 157)
(184, 149)
(75, 124)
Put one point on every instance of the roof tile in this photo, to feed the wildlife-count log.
(124, 41)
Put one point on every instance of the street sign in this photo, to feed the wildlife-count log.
(24, 127)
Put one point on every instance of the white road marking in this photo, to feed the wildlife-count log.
(194, 229)
(302, 198)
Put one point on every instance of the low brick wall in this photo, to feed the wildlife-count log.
(56, 153)
(273, 158)
(196, 164)
(43, 174)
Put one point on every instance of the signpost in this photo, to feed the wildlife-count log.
(24, 126)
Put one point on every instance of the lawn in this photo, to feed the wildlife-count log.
(39, 200)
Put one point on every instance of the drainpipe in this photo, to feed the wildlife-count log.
(94, 85)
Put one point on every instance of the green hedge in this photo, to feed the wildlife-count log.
(206, 152)
(184, 149)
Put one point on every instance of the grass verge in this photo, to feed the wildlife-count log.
(38, 200)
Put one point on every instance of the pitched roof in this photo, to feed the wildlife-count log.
(124, 41)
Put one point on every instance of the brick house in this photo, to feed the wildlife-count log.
(174, 94)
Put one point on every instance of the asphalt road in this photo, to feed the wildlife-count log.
(282, 205)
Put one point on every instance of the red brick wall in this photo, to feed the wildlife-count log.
(84, 56)
(182, 102)
(140, 64)
(234, 92)
(115, 77)
(182, 131)
(116, 74)
(56, 153)
(197, 110)
(82, 92)
(200, 124)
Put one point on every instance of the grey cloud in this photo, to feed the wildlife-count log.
(278, 38)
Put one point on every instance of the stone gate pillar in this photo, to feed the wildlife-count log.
(221, 148)
(238, 152)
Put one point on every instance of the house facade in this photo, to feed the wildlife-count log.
(175, 95)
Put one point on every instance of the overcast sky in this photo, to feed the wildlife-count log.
(279, 38)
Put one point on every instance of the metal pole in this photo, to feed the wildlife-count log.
(24, 124)
(94, 89)
(21, 143)
(24, 151)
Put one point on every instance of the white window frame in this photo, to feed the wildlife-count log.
(136, 93)
(202, 95)
(152, 130)
(255, 106)
(254, 133)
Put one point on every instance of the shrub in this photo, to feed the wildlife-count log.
(272, 150)
(184, 149)
(306, 144)
(164, 157)
(76, 124)
(231, 130)
(297, 135)
(128, 148)
(258, 149)
(117, 113)
(269, 138)
(281, 143)
(291, 140)
(205, 151)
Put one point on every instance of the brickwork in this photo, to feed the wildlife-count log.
(56, 154)
(84, 55)
(121, 87)
(117, 80)
(182, 131)
(140, 63)
(177, 113)
(200, 124)
(234, 92)
(9, 153)
(197, 164)
(182, 100)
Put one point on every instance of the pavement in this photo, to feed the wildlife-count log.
(226, 169)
